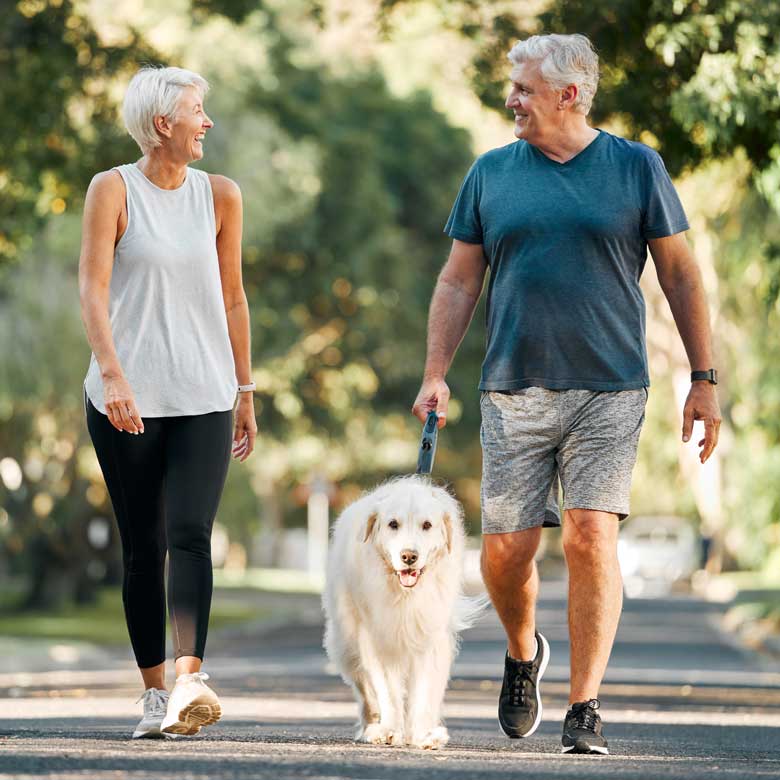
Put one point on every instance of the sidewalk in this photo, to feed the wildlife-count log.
(20, 658)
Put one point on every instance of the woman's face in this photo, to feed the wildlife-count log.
(189, 126)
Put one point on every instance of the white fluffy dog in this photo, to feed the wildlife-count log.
(393, 606)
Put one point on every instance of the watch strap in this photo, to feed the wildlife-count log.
(711, 376)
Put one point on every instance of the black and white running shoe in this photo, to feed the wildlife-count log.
(520, 703)
(582, 729)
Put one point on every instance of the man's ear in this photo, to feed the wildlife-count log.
(370, 523)
(568, 96)
(448, 531)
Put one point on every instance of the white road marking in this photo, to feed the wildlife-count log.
(302, 710)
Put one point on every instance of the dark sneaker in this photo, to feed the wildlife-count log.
(520, 704)
(582, 729)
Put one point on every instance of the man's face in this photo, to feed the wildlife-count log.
(533, 101)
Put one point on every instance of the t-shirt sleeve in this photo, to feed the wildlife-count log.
(465, 223)
(663, 213)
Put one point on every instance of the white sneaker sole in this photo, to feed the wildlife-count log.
(201, 711)
(593, 749)
(152, 733)
(542, 670)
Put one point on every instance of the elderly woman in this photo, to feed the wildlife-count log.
(167, 319)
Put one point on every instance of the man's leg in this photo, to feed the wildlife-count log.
(519, 435)
(595, 461)
(511, 578)
(595, 596)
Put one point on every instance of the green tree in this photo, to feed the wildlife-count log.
(697, 80)
(60, 120)
(346, 187)
(340, 278)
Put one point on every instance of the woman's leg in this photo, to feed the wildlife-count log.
(133, 470)
(197, 456)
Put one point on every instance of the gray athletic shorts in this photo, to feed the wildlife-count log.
(533, 438)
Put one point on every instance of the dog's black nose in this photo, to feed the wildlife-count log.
(409, 557)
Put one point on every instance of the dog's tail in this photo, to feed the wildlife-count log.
(468, 610)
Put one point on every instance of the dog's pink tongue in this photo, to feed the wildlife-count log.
(408, 577)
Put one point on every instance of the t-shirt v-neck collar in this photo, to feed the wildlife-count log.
(580, 155)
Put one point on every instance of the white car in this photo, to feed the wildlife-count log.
(655, 552)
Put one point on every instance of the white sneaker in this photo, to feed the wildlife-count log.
(155, 707)
(192, 704)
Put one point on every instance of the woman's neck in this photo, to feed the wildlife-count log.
(162, 172)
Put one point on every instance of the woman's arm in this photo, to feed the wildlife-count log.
(103, 211)
(228, 211)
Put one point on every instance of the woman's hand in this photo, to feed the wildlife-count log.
(120, 405)
(246, 427)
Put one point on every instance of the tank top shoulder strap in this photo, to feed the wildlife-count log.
(202, 184)
(128, 174)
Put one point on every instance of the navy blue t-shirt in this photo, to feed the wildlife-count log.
(566, 244)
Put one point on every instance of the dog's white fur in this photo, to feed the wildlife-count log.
(393, 644)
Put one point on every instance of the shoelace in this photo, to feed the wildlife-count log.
(584, 715)
(155, 701)
(523, 674)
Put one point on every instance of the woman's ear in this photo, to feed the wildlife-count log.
(370, 523)
(163, 125)
(448, 531)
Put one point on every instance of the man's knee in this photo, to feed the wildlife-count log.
(589, 533)
(512, 551)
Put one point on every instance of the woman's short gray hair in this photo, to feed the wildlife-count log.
(155, 92)
(563, 60)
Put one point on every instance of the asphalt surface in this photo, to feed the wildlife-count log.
(681, 699)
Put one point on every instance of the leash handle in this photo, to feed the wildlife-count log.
(427, 453)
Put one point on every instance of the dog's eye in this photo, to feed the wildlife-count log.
(393, 524)
(427, 525)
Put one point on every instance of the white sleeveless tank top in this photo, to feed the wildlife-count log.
(166, 307)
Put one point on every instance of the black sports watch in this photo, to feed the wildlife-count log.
(710, 376)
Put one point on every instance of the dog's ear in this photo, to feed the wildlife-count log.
(370, 526)
(447, 520)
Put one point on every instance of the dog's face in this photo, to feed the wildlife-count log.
(410, 531)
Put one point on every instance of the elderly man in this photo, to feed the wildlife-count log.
(563, 217)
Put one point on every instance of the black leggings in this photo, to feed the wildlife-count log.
(165, 485)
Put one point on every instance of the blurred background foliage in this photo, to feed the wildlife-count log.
(349, 126)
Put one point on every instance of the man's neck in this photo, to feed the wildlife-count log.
(566, 142)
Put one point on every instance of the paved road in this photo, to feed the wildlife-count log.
(680, 700)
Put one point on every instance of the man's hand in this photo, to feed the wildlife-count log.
(434, 395)
(702, 404)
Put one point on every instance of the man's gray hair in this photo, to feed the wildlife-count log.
(155, 92)
(563, 60)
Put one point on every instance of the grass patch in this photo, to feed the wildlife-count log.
(103, 622)
(271, 580)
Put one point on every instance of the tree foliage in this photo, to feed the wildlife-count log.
(59, 115)
(697, 79)
(346, 188)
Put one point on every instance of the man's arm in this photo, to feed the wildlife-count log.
(681, 283)
(452, 307)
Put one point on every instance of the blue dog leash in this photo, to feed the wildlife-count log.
(427, 453)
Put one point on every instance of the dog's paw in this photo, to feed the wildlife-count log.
(378, 734)
(432, 740)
